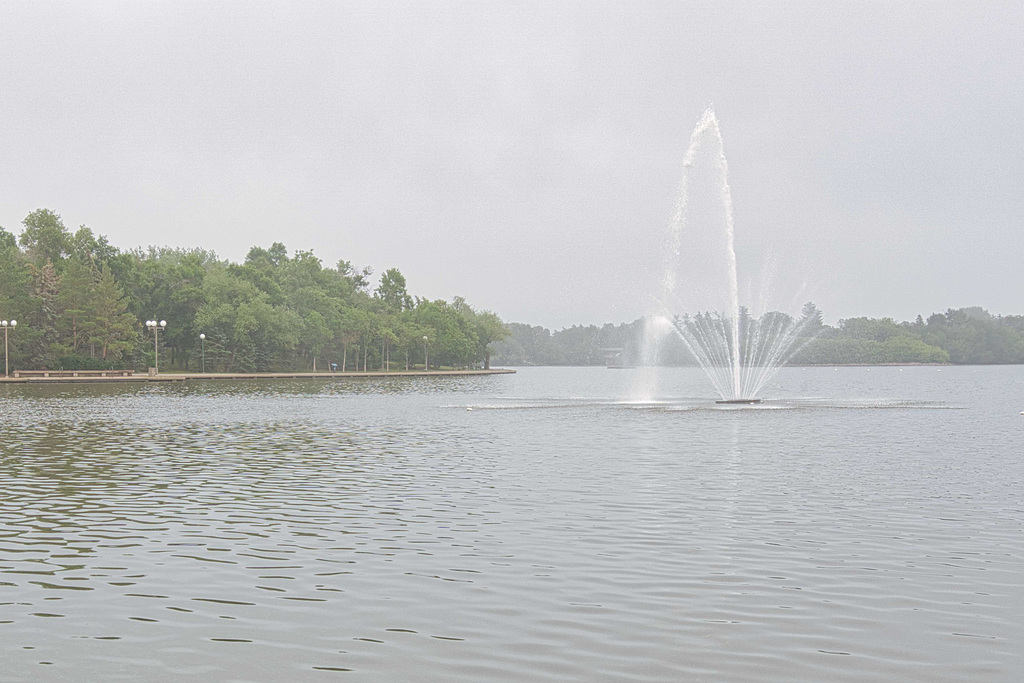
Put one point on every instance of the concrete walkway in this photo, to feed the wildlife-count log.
(181, 377)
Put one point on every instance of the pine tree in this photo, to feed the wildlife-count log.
(45, 344)
(110, 326)
(74, 302)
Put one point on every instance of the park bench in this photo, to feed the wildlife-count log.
(73, 373)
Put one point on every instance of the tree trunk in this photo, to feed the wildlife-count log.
(344, 356)
(314, 363)
(407, 360)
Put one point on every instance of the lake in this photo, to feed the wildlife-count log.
(557, 524)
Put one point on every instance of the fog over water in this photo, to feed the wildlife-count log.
(527, 157)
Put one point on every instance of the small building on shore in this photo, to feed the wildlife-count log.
(613, 358)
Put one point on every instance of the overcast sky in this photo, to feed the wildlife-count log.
(527, 155)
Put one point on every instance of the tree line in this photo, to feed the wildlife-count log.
(82, 303)
(960, 336)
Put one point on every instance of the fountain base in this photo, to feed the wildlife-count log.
(748, 401)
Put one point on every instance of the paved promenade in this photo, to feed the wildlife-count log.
(190, 376)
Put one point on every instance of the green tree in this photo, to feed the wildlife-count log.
(811, 319)
(85, 246)
(391, 291)
(15, 279)
(875, 329)
(113, 329)
(315, 335)
(451, 338)
(352, 325)
(44, 346)
(255, 333)
(489, 329)
(168, 284)
(74, 304)
(45, 238)
(16, 300)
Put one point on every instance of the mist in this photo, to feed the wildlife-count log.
(528, 156)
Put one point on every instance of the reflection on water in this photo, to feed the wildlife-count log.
(284, 530)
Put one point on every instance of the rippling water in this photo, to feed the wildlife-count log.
(574, 524)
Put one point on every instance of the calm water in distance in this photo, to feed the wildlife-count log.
(863, 524)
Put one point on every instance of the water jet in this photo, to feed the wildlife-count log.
(737, 351)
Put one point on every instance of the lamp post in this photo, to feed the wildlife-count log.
(156, 327)
(202, 344)
(426, 357)
(7, 324)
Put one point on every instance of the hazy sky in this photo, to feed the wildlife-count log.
(527, 155)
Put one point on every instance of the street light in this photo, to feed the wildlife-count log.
(156, 327)
(7, 324)
(426, 358)
(202, 343)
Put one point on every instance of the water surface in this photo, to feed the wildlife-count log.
(557, 524)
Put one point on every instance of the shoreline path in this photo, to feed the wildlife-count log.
(66, 376)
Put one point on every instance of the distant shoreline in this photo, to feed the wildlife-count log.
(188, 376)
(787, 365)
(878, 365)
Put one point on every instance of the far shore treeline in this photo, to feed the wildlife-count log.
(82, 303)
(960, 336)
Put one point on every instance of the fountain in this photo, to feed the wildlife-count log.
(738, 352)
